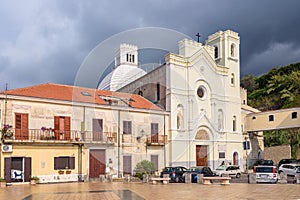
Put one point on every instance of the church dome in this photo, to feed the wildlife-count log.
(121, 76)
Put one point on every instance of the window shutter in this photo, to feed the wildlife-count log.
(72, 162)
(7, 169)
(27, 170)
(56, 160)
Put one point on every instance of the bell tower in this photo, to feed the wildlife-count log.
(126, 54)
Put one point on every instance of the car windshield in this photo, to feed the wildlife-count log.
(222, 167)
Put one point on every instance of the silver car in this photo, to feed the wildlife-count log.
(290, 170)
(266, 174)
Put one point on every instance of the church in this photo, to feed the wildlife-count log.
(200, 88)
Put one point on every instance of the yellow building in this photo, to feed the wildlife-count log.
(66, 133)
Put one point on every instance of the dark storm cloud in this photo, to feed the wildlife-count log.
(47, 41)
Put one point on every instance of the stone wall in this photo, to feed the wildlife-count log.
(277, 153)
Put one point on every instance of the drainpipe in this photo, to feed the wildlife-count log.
(80, 178)
(119, 153)
(165, 140)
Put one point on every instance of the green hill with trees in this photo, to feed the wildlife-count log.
(277, 89)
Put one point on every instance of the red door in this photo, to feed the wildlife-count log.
(97, 163)
(21, 122)
(201, 155)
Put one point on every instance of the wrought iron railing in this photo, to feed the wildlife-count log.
(31, 135)
(156, 139)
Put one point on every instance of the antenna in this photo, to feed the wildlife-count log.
(5, 108)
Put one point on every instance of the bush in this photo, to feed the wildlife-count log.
(144, 167)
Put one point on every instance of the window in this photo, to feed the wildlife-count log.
(127, 127)
(294, 115)
(232, 50)
(154, 128)
(221, 154)
(201, 92)
(64, 162)
(271, 118)
(216, 52)
(86, 94)
(232, 79)
(234, 123)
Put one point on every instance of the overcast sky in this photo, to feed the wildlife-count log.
(47, 40)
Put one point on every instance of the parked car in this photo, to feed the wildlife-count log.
(228, 170)
(176, 173)
(289, 169)
(194, 171)
(266, 174)
(267, 162)
(287, 161)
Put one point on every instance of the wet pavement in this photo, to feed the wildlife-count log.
(139, 191)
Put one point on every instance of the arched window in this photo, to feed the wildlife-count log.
(179, 117)
(232, 50)
(234, 123)
(220, 120)
(216, 52)
(235, 158)
(232, 79)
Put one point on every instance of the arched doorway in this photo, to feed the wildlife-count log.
(235, 158)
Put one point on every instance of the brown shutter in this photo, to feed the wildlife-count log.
(27, 171)
(7, 169)
(18, 125)
(67, 128)
(72, 162)
(24, 121)
(56, 160)
(56, 127)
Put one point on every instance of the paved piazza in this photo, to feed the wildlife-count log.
(137, 191)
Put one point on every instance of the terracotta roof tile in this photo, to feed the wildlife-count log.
(80, 94)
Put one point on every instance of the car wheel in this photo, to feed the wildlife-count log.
(238, 175)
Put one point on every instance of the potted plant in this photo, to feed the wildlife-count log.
(34, 180)
(61, 172)
(2, 182)
(68, 172)
(6, 131)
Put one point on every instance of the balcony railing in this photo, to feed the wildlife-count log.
(156, 140)
(38, 135)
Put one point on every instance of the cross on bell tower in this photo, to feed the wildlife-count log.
(198, 35)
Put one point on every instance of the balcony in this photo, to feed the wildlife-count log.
(156, 140)
(58, 136)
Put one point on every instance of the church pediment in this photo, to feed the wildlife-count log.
(203, 54)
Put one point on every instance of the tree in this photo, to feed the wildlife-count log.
(144, 167)
(248, 82)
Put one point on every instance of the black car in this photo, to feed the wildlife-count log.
(175, 173)
(194, 171)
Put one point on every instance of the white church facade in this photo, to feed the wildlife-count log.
(200, 88)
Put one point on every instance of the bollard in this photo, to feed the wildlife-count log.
(297, 178)
(187, 177)
(199, 178)
(251, 178)
(102, 178)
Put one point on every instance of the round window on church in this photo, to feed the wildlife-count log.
(201, 92)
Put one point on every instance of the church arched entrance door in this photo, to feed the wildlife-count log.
(201, 155)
